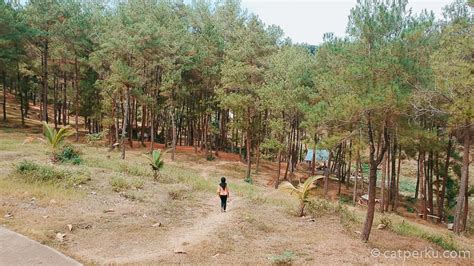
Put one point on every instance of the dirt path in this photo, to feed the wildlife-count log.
(179, 240)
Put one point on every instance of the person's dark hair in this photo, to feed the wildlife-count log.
(223, 184)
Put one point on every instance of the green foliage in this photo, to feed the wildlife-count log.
(119, 183)
(210, 157)
(301, 191)
(248, 180)
(137, 183)
(345, 199)
(156, 163)
(95, 138)
(320, 207)
(32, 172)
(69, 153)
(385, 220)
(284, 258)
(407, 186)
(55, 139)
(408, 229)
(452, 188)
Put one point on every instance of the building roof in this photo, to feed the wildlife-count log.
(321, 155)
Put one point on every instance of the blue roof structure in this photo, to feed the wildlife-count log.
(321, 155)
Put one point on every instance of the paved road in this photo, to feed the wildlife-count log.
(16, 249)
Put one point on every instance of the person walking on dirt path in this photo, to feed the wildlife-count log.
(223, 193)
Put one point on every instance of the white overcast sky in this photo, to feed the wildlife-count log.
(307, 20)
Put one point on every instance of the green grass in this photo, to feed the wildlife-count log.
(407, 186)
(41, 191)
(284, 258)
(407, 229)
(119, 183)
(32, 172)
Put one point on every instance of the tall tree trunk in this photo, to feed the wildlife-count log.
(445, 179)
(144, 122)
(152, 127)
(417, 188)
(422, 185)
(44, 116)
(326, 175)
(257, 165)
(76, 100)
(173, 124)
(429, 190)
(313, 159)
(373, 164)
(462, 203)
(354, 193)
(277, 181)
(4, 76)
(20, 92)
(397, 189)
(64, 107)
(55, 101)
(382, 185)
(393, 179)
(249, 143)
(125, 122)
(349, 165)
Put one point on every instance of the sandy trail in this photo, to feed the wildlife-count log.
(196, 230)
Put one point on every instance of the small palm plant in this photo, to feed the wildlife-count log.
(55, 139)
(302, 191)
(156, 163)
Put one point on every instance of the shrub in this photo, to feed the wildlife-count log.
(138, 183)
(55, 139)
(283, 259)
(407, 229)
(69, 153)
(249, 180)
(385, 220)
(96, 138)
(33, 172)
(156, 163)
(119, 183)
(320, 207)
(179, 192)
(345, 199)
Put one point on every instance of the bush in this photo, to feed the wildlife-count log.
(179, 192)
(33, 172)
(345, 199)
(385, 220)
(320, 207)
(138, 183)
(119, 184)
(283, 259)
(69, 153)
(408, 229)
(249, 180)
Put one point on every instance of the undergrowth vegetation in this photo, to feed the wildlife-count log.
(32, 172)
(407, 229)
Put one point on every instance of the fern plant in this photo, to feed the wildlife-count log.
(156, 163)
(54, 139)
(302, 191)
